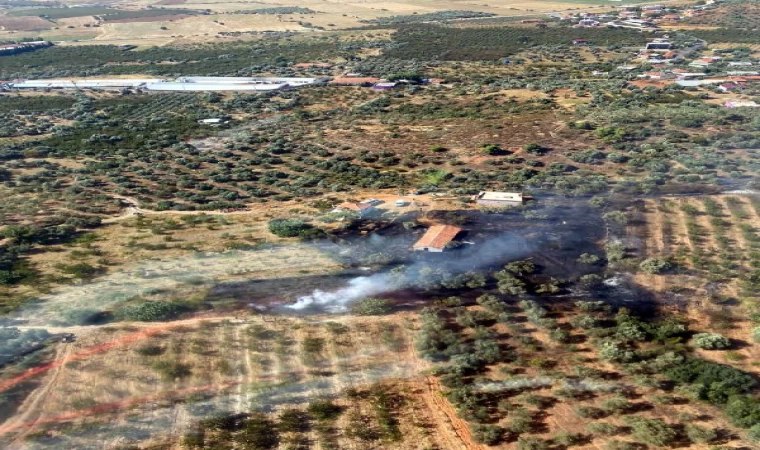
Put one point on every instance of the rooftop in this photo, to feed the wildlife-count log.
(437, 236)
(500, 196)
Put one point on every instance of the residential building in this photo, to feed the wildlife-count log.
(490, 198)
(437, 238)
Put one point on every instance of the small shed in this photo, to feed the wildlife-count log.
(489, 198)
(436, 238)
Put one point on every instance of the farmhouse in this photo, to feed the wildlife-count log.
(436, 238)
(498, 198)
(361, 208)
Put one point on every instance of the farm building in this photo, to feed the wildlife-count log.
(361, 208)
(659, 46)
(436, 238)
(498, 198)
(384, 86)
(725, 87)
(589, 23)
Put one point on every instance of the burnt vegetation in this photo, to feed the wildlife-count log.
(534, 311)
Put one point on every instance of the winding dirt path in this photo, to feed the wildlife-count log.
(133, 209)
(31, 409)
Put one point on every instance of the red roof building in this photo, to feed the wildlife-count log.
(436, 238)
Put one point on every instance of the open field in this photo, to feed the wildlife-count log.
(330, 266)
(145, 26)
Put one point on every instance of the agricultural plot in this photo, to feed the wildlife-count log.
(714, 242)
(24, 24)
(201, 369)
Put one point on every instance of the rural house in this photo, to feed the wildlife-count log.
(498, 198)
(436, 238)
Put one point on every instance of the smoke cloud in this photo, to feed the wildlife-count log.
(337, 301)
(475, 256)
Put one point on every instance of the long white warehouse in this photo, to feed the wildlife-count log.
(190, 87)
(180, 84)
(251, 80)
(84, 84)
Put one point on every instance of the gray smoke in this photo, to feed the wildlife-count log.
(473, 257)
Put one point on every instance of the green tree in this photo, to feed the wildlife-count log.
(711, 341)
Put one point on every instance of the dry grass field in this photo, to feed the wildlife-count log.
(224, 18)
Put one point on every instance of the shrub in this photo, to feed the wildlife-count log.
(588, 258)
(294, 421)
(559, 335)
(700, 435)
(371, 306)
(713, 382)
(711, 341)
(753, 435)
(171, 370)
(531, 443)
(621, 445)
(292, 228)
(743, 411)
(151, 311)
(259, 432)
(534, 149)
(602, 429)
(756, 334)
(323, 409)
(655, 265)
(150, 350)
(589, 412)
(487, 434)
(567, 439)
(652, 431)
(616, 405)
(521, 421)
(492, 150)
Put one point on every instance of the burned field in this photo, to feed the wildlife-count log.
(552, 235)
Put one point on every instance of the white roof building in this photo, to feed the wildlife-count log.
(498, 198)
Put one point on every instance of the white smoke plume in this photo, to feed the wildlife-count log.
(337, 301)
(483, 254)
